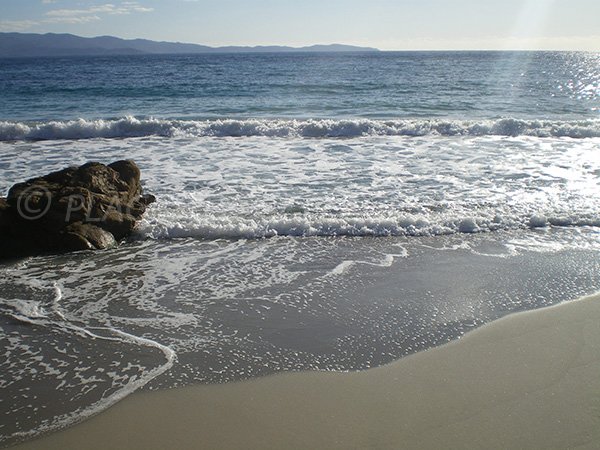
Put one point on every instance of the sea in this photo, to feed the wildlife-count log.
(326, 212)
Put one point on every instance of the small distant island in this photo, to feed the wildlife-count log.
(52, 44)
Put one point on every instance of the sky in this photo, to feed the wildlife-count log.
(385, 24)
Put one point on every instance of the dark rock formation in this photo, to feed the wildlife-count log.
(79, 208)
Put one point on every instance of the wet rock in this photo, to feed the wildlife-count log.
(78, 208)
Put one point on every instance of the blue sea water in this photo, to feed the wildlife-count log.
(386, 85)
(315, 212)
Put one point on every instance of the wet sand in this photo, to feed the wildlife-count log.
(529, 380)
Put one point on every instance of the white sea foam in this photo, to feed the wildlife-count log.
(311, 128)
(47, 314)
(184, 224)
(69, 419)
(387, 260)
(259, 187)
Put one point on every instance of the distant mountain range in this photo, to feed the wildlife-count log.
(51, 44)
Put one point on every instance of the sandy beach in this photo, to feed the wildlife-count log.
(529, 380)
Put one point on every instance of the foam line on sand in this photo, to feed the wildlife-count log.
(530, 380)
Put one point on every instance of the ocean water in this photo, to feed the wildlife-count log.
(315, 212)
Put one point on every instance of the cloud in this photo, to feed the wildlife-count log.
(69, 12)
(93, 12)
(136, 7)
(107, 8)
(16, 25)
(75, 16)
(72, 20)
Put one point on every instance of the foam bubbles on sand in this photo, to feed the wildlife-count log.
(54, 372)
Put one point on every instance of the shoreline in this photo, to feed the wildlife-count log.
(528, 380)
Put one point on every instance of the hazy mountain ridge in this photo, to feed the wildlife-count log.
(51, 44)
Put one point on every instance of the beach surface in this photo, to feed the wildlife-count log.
(529, 380)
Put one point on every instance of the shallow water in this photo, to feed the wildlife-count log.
(225, 310)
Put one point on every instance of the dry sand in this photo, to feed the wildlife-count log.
(530, 380)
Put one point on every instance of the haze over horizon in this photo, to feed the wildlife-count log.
(384, 24)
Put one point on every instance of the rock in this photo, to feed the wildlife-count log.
(119, 224)
(4, 209)
(78, 208)
(130, 174)
(96, 237)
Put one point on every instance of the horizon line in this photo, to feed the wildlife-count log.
(366, 48)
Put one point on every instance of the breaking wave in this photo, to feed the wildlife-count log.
(310, 128)
(185, 224)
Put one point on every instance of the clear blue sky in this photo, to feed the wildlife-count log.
(386, 24)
